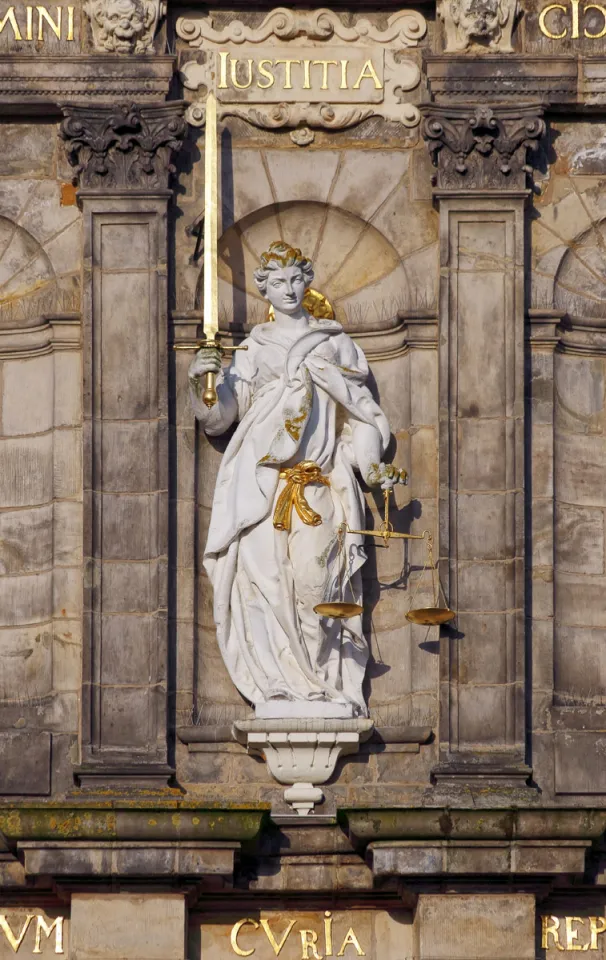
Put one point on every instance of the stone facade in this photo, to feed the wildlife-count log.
(446, 170)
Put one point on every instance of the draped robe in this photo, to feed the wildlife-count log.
(300, 396)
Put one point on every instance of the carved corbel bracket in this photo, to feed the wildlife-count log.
(482, 147)
(302, 753)
(125, 146)
(124, 26)
(487, 23)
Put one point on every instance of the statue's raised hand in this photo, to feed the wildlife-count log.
(207, 360)
(386, 475)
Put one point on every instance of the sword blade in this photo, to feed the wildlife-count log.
(211, 221)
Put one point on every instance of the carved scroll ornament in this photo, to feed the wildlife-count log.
(361, 79)
(124, 26)
(123, 146)
(404, 29)
(486, 22)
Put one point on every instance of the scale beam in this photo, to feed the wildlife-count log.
(391, 534)
(386, 530)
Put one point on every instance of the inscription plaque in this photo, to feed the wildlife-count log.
(559, 21)
(333, 76)
(36, 24)
(24, 932)
(349, 76)
(572, 933)
(313, 935)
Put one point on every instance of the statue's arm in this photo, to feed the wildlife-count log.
(368, 449)
(233, 390)
(370, 435)
(369, 442)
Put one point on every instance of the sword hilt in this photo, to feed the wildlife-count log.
(210, 379)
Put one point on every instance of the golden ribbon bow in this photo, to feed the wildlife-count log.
(293, 495)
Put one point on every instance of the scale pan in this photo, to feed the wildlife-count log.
(430, 616)
(338, 610)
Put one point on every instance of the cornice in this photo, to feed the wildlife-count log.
(502, 78)
(55, 333)
(167, 818)
(484, 823)
(557, 330)
(560, 81)
(37, 84)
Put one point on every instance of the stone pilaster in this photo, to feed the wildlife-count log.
(481, 159)
(122, 155)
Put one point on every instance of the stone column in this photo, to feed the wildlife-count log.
(480, 154)
(122, 155)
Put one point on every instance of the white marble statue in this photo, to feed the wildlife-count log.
(307, 423)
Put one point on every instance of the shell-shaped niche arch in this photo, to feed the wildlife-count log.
(40, 252)
(356, 267)
(28, 285)
(580, 283)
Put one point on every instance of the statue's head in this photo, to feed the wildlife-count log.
(283, 277)
(123, 23)
(478, 18)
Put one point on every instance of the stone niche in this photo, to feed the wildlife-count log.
(293, 934)
(358, 269)
(364, 217)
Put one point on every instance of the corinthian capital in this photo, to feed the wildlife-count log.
(482, 147)
(123, 146)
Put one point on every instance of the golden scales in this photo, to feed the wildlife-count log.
(320, 307)
(429, 616)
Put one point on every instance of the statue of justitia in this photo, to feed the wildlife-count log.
(306, 423)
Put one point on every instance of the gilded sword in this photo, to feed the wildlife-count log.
(211, 236)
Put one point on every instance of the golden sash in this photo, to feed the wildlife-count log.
(293, 495)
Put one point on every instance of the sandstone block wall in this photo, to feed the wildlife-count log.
(530, 518)
(41, 477)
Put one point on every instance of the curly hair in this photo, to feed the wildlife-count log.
(278, 256)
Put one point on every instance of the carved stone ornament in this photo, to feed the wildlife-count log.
(383, 70)
(404, 29)
(482, 148)
(124, 26)
(123, 146)
(302, 754)
(485, 22)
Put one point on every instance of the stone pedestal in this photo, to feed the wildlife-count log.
(302, 753)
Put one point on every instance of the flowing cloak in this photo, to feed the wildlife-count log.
(288, 387)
